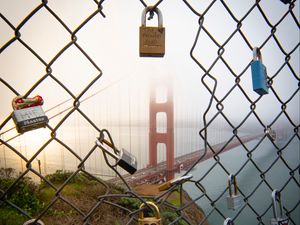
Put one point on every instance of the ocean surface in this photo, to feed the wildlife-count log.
(250, 183)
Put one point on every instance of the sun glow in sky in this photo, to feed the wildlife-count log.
(112, 43)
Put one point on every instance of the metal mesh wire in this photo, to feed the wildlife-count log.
(218, 109)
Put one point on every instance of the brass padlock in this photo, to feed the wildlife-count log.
(152, 39)
(176, 181)
(150, 220)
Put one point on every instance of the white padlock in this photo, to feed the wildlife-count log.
(278, 218)
(228, 221)
(234, 200)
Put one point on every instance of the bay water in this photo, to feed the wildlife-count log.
(249, 180)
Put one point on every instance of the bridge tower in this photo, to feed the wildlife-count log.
(167, 137)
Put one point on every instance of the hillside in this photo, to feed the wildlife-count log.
(83, 193)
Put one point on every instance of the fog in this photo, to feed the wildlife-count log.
(121, 95)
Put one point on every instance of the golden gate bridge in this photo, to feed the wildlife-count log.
(155, 170)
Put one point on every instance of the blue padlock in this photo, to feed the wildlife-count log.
(259, 73)
(286, 1)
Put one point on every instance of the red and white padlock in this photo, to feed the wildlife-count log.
(28, 113)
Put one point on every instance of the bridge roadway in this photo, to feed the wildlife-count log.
(184, 162)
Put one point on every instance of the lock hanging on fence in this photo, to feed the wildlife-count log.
(168, 184)
(123, 158)
(234, 200)
(156, 220)
(271, 134)
(152, 39)
(286, 1)
(31, 222)
(228, 221)
(278, 218)
(28, 113)
(259, 73)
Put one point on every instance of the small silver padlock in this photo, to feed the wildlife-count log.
(31, 222)
(228, 221)
(156, 220)
(278, 218)
(152, 39)
(234, 200)
(28, 113)
(259, 73)
(123, 158)
(271, 134)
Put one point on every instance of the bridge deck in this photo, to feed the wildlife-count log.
(184, 162)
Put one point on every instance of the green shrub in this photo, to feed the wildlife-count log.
(10, 217)
(168, 217)
(23, 194)
(130, 203)
(60, 176)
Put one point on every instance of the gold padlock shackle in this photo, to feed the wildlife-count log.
(276, 197)
(257, 54)
(232, 181)
(157, 11)
(157, 213)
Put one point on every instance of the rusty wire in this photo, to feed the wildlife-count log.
(107, 197)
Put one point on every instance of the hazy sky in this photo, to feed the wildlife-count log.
(112, 43)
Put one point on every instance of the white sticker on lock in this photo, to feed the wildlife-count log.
(28, 113)
(234, 200)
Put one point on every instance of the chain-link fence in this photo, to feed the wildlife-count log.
(264, 172)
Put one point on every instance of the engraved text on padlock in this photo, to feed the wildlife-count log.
(29, 118)
(28, 113)
(152, 39)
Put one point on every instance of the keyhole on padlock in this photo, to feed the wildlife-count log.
(151, 15)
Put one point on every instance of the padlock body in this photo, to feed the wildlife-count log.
(127, 161)
(149, 221)
(259, 77)
(279, 221)
(152, 41)
(286, 1)
(234, 202)
(29, 119)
